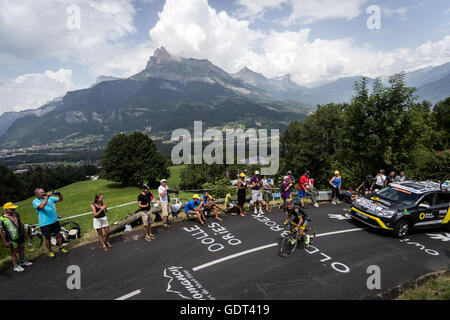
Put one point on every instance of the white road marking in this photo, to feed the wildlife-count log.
(337, 232)
(234, 256)
(262, 248)
(129, 295)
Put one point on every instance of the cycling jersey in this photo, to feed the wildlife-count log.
(297, 212)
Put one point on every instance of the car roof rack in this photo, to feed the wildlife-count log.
(417, 187)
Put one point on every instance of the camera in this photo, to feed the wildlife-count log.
(55, 192)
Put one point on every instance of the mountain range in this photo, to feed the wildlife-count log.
(172, 92)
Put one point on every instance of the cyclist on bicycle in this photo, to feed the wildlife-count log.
(300, 217)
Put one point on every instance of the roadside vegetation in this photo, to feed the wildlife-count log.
(434, 289)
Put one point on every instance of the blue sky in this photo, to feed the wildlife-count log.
(314, 40)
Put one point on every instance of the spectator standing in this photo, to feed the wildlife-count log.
(268, 185)
(285, 193)
(256, 184)
(367, 184)
(304, 180)
(44, 204)
(335, 183)
(99, 209)
(241, 195)
(380, 181)
(13, 236)
(195, 207)
(163, 191)
(145, 200)
(291, 182)
(391, 178)
(209, 203)
(310, 190)
(401, 177)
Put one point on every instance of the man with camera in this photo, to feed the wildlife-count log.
(163, 192)
(145, 201)
(48, 218)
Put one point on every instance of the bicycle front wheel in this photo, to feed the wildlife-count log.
(35, 242)
(288, 245)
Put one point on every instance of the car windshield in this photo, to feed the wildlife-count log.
(399, 195)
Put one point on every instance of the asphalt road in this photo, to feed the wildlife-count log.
(236, 259)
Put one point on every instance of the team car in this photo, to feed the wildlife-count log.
(404, 206)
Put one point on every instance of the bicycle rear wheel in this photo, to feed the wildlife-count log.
(35, 242)
(288, 245)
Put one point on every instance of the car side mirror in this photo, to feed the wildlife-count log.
(423, 206)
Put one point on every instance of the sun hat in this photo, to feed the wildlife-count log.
(144, 186)
(242, 175)
(195, 196)
(256, 172)
(336, 172)
(163, 180)
(9, 205)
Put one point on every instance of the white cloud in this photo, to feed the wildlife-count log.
(401, 12)
(304, 11)
(256, 8)
(35, 30)
(194, 29)
(30, 91)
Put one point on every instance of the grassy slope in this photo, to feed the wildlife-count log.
(77, 199)
(435, 289)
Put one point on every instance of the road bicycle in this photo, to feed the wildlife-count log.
(69, 230)
(291, 241)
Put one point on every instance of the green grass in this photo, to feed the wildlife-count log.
(435, 289)
(77, 199)
(175, 176)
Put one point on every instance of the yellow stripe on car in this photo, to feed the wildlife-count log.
(382, 225)
(447, 217)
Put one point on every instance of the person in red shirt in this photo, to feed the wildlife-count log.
(304, 180)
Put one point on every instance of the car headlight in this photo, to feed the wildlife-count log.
(387, 212)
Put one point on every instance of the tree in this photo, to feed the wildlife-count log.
(133, 160)
(310, 145)
(11, 188)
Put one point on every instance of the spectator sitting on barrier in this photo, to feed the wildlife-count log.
(13, 236)
(195, 207)
(99, 209)
(349, 197)
(209, 203)
(310, 190)
(145, 200)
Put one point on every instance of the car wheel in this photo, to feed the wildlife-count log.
(401, 229)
